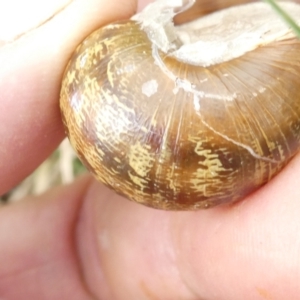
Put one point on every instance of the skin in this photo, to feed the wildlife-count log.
(83, 241)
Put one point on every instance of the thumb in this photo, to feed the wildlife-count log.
(35, 46)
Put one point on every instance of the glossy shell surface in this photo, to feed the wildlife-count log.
(168, 148)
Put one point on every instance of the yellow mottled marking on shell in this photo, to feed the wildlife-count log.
(280, 149)
(153, 120)
(112, 99)
(272, 145)
(211, 166)
(166, 154)
(117, 160)
(110, 74)
(112, 111)
(142, 183)
(98, 49)
(114, 26)
(71, 75)
(165, 158)
(172, 178)
(212, 162)
(91, 86)
(141, 159)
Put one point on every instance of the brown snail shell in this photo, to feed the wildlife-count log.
(205, 7)
(178, 136)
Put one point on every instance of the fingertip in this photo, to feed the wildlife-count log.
(32, 64)
(37, 238)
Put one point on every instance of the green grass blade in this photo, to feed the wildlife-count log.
(284, 16)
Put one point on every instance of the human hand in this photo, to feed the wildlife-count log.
(83, 241)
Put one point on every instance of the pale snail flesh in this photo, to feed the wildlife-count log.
(180, 135)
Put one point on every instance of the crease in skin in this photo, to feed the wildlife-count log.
(177, 253)
(75, 242)
(7, 42)
(187, 86)
(36, 268)
(92, 237)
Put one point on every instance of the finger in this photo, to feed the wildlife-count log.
(142, 4)
(245, 251)
(32, 63)
(37, 238)
(249, 250)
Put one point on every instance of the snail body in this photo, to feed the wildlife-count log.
(180, 135)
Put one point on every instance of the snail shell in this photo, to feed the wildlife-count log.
(175, 133)
(204, 7)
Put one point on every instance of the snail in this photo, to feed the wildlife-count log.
(204, 7)
(190, 116)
